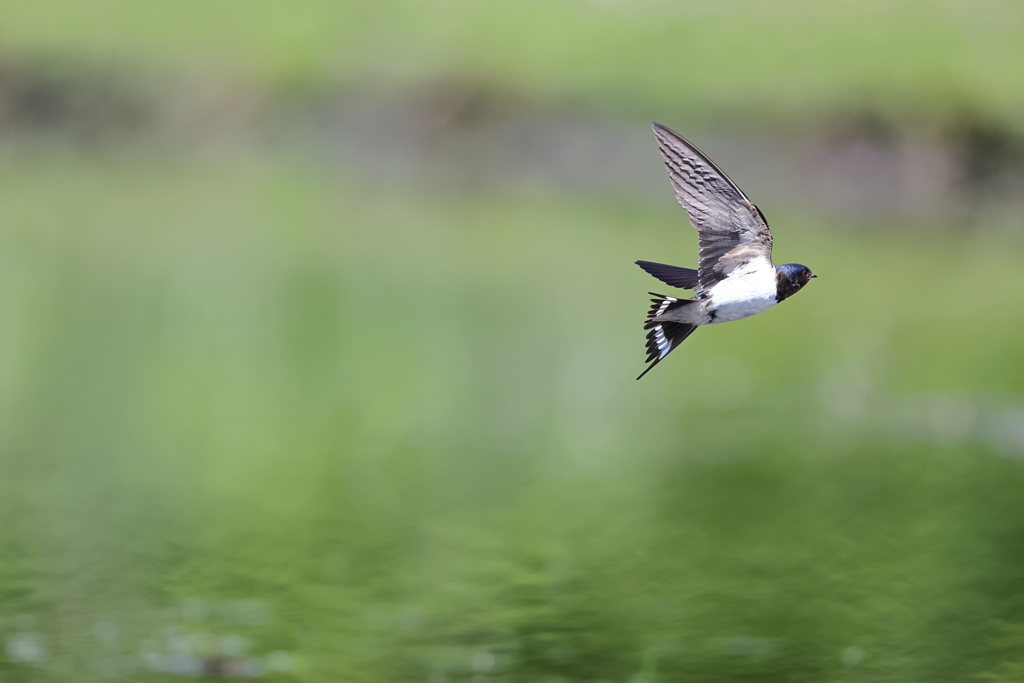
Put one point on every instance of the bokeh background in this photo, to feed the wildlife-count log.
(319, 329)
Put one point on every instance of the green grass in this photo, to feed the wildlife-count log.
(407, 424)
(922, 64)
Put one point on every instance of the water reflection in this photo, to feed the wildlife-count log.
(26, 648)
(199, 643)
(852, 656)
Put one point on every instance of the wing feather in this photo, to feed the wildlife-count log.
(732, 231)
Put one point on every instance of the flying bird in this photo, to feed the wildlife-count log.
(735, 277)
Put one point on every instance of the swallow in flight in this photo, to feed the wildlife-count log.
(735, 277)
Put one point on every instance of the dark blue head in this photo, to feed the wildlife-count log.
(789, 278)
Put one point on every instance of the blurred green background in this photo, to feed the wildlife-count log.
(319, 329)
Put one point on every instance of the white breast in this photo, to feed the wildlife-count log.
(748, 290)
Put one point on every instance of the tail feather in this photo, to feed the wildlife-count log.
(661, 304)
(664, 336)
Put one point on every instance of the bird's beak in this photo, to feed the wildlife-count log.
(812, 276)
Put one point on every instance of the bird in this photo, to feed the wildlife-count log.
(735, 277)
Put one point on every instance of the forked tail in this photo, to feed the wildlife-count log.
(663, 336)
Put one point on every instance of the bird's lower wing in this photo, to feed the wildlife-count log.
(683, 278)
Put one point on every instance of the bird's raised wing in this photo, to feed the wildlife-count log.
(733, 232)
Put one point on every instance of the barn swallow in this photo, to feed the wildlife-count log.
(735, 277)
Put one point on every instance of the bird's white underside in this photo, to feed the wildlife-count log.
(747, 290)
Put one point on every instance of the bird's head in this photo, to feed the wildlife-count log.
(790, 278)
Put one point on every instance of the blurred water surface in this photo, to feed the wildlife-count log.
(263, 414)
